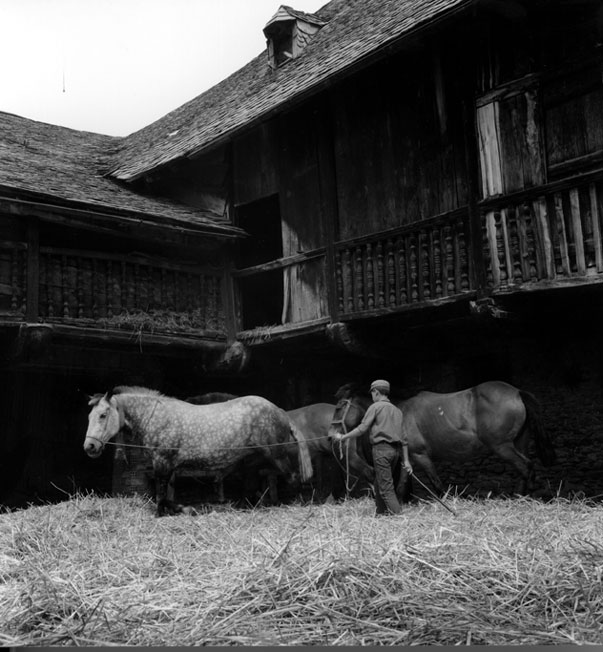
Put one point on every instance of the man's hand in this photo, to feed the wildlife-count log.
(408, 467)
(337, 436)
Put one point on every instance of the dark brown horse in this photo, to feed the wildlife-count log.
(337, 468)
(490, 417)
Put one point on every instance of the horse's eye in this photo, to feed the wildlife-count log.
(102, 416)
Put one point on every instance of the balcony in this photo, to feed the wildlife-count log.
(425, 263)
(90, 290)
(546, 237)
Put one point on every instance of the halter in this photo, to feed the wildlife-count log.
(122, 420)
(341, 422)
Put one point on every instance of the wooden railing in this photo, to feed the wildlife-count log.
(111, 291)
(551, 233)
(13, 278)
(425, 262)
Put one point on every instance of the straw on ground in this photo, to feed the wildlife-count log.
(105, 571)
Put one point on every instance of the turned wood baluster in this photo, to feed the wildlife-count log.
(359, 286)
(212, 317)
(93, 287)
(414, 291)
(500, 247)
(79, 291)
(463, 257)
(449, 261)
(370, 277)
(514, 245)
(339, 280)
(391, 274)
(437, 260)
(380, 276)
(348, 281)
(528, 242)
(425, 265)
(50, 284)
(109, 288)
(14, 280)
(401, 265)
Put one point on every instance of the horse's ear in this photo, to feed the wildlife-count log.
(94, 399)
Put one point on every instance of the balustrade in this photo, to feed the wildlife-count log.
(551, 233)
(424, 262)
(104, 291)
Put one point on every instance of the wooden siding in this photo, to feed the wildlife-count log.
(255, 165)
(399, 151)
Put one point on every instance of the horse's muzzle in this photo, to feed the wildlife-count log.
(92, 448)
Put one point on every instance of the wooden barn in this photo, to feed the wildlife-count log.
(409, 189)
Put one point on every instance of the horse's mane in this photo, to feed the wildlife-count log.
(135, 389)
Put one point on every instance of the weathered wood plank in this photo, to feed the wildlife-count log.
(561, 233)
(489, 149)
(577, 230)
(506, 245)
(594, 214)
(493, 247)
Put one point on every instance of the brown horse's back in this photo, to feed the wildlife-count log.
(464, 423)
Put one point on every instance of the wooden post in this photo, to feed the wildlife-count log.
(328, 201)
(594, 212)
(577, 229)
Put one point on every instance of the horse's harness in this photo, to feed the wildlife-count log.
(341, 422)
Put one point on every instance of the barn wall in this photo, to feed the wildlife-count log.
(399, 145)
(255, 159)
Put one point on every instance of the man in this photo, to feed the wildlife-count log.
(388, 440)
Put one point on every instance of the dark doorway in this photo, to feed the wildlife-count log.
(262, 220)
(261, 293)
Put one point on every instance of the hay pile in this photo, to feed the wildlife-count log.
(105, 571)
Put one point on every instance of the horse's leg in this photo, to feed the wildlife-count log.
(171, 487)
(523, 464)
(163, 472)
(358, 464)
(219, 485)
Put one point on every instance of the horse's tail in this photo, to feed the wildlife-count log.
(303, 453)
(542, 442)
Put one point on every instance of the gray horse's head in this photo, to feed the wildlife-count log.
(104, 422)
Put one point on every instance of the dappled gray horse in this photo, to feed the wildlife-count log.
(209, 437)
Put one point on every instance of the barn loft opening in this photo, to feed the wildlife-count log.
(261, 293)
(287, 34)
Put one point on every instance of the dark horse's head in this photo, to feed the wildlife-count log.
(350, 408)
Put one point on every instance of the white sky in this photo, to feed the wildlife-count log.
(115, 66)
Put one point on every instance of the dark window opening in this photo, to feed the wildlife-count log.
(261, 299)
(283, 46)
(262, 221)
(261, 294)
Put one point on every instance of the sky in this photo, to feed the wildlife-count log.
(115, 66)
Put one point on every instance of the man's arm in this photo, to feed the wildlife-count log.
(363, 427)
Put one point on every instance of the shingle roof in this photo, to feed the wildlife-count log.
(64, 166)
(354, 30)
